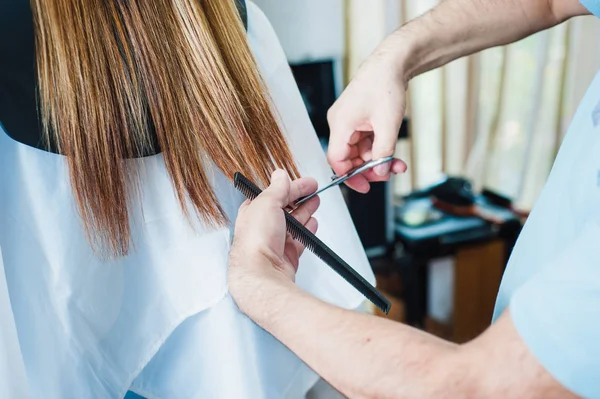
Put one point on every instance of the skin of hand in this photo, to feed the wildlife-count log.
(365, 356)
(262, 249)
(365, 121)
(374, 101)
(361, 355)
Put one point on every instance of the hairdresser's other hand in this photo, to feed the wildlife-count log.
(366, 119)
(262, 249)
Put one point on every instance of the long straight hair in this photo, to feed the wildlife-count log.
(111, 72)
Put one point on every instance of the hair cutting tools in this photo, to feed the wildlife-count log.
(316, 246)
(337, 180)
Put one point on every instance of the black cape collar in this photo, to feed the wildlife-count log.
(18, 81)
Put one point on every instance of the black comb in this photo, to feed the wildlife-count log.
(316, 246)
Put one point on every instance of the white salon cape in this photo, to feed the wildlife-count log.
(160, 321)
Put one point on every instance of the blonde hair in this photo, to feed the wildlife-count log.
(112, 72)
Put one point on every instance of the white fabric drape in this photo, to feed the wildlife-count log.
(11, 361)
(160, 321)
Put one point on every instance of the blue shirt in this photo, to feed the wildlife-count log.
(552, 282)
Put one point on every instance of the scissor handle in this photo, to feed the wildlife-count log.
(360, 169)
(337, 180)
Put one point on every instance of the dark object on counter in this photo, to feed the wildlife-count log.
(426, 231)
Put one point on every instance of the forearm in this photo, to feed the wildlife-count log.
(456, 28)
(360, 355)
(365, 356)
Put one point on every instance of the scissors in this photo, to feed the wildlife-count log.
(337, 180)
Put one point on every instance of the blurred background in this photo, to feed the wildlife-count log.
(480, 137)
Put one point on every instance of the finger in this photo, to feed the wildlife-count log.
(357, 136)
(384, 145)
(279, 189)
(306, 210)
(365, 147)
(339, 166)
(288, 236)
(344, 132)
(359, 184)
(372, 177)
(398, 166)
(339, 148)
(354, 152)
(354, 141)
(342, 166)
(357, 162)
(302, 187)
(312, 225)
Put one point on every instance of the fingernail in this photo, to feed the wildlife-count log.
(382, 170)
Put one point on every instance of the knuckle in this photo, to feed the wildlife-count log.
(332, 113)
(388, 149)
(330, 157)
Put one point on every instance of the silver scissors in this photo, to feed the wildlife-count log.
(337, 180)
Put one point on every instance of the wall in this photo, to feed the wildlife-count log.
(307, 29)
(371, 22)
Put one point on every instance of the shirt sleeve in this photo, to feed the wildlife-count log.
(592, 5)
(557, 314)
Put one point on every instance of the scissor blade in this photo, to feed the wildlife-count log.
(337, 180)
(319, 191)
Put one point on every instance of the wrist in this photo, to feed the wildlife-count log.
(399, 50)
(267, 304)
(258, 288)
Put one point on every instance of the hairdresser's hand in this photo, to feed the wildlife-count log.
(365, 120)
(262, 249)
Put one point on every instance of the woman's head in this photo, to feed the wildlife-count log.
(119, 78)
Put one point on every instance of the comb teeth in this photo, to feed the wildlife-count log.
(245, 186)
(316, 246)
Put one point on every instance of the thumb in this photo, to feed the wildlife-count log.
(384, 142)
(279, 189)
